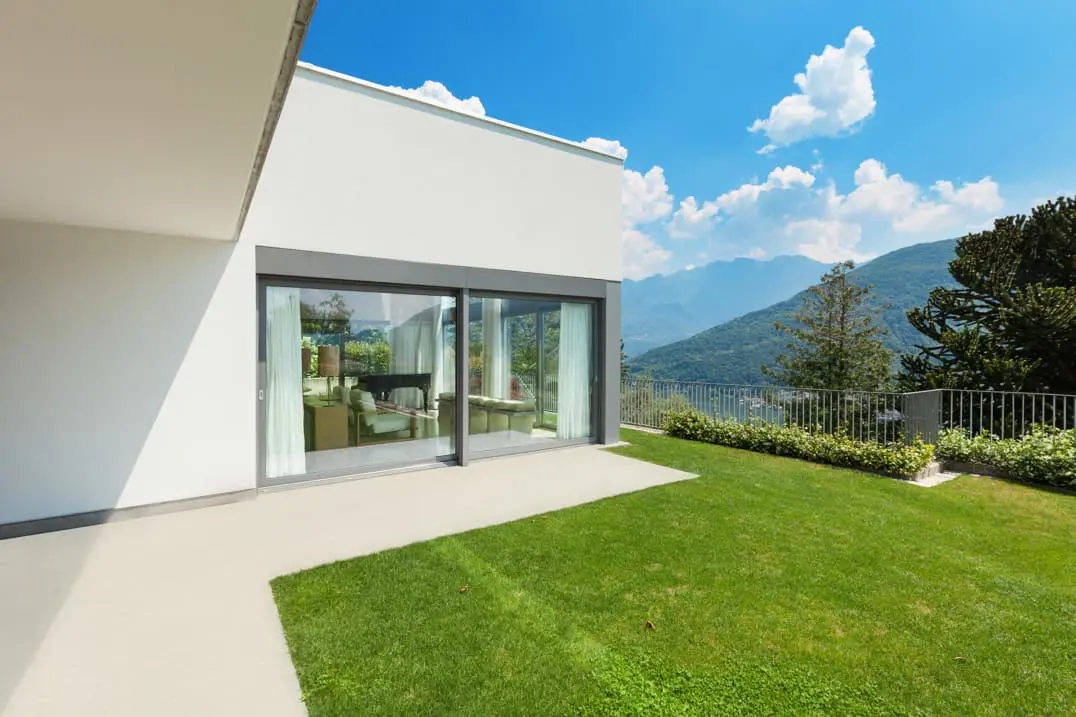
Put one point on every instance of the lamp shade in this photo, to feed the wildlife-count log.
(307, 360)
(328, 360)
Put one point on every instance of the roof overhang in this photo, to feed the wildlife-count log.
(141, 115)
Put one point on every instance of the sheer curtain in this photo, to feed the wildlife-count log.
(284, 448)
(407, 353)
(418, 347)
(444, 363)
(574, 371)
(495, 360)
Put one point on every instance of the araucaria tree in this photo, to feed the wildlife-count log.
(837, 341)
(1011, 324)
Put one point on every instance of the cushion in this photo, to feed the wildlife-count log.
(390, 423)
(514, 406)
(364, 401)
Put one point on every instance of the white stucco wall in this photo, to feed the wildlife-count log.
(354, 170)
(128, 369)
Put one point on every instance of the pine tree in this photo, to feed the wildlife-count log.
(836, 340)
(1011, 324)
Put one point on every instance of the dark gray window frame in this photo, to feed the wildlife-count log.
(320, 269)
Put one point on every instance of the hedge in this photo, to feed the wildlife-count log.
(797, 442)
(1046, 456)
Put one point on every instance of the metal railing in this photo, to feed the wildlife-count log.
(1005, 414)
(872, 416)
(548, 392)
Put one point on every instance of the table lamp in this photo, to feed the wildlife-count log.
(328, 366)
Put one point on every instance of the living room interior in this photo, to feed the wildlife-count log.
(362, 380)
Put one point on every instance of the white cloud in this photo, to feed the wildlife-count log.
(978, 195)
(891, 197)
(609, 146)
(766, 149)
(645, 197)
(438, 94)
(969, 206)
(641, 256)
(756, 253)
(747, 194)
(835, 95)
(828, 240)
(879, 192)
(691, 220)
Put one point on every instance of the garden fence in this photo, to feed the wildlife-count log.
(873, 416)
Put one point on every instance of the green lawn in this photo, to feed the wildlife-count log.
(774, 587)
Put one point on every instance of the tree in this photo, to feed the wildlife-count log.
(625, 368)
(836, 340)
(1011, 324)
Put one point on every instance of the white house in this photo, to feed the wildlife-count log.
(221, 271)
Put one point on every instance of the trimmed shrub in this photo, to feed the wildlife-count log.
(797, 442)
(1046, 456)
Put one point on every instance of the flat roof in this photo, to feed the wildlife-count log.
(398, 94)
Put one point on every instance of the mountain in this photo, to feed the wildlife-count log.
(734, 351)
(661, 309)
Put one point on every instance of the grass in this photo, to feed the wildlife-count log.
(774, 587)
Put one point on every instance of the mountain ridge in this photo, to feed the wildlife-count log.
(735, 350)
(662, 309)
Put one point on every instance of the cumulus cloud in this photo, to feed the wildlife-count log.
(641, 256)
(877, 191)
(835, 95)
(438, 94)
(789, 213)
(609, 146)
(645, 197)
(691, 220)
(828, 240)
(970, 205)
(891, 197)
(748, 194)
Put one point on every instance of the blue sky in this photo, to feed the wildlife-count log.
(913, 121)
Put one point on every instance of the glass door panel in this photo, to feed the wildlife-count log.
(357, 380)
(531, 372)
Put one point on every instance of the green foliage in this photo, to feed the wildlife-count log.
(836, 342)
(734, 351)
(368, 356)
(1010, 323)
(1046, 455)
(331, 316)
(798, 442)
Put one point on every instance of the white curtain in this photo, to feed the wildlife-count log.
(574, 371)
(406, 347)
(495, 359)
(284, 446)
(444, 361)
(418, 347)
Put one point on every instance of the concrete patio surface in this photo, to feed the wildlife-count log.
(172, 614)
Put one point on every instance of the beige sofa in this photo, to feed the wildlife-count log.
(487, 415)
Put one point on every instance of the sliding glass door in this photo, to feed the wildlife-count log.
(359, 380)
(531, 373)
(356, 380)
